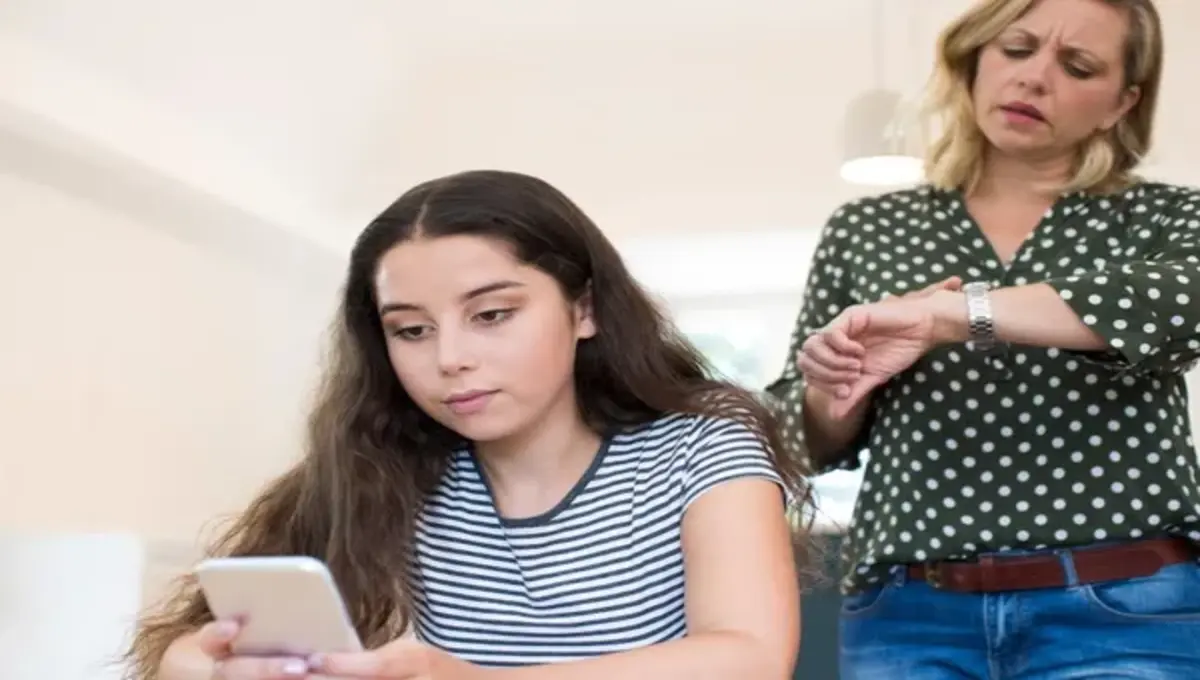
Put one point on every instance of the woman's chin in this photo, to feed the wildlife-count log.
(1020, 144)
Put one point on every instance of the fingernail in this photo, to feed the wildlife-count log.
(315, 661)
(226, 628)
(295, 667)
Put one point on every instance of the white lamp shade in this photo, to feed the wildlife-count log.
(880, 149)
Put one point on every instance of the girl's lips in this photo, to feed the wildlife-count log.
(469, 403)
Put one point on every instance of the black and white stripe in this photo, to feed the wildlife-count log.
(599, 573)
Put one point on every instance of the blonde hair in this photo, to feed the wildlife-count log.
(1106, 162)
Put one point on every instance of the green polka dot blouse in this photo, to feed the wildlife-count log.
(1028, 447)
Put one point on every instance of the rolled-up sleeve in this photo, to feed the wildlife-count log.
(825, 296)
(1147, 311)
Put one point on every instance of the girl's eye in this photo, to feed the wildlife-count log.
(410, 332)
(494, 316)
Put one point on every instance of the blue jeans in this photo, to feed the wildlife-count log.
(1139, 628)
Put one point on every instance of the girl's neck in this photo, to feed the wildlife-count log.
(550, 455)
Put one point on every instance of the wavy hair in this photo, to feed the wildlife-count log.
(373, 456)
(1107, 160)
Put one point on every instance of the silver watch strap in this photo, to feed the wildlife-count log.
(981, 325)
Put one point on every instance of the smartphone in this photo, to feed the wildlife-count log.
(289, 605)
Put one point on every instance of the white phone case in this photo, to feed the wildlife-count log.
(289, 605)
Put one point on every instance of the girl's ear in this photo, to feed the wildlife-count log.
(585, 319)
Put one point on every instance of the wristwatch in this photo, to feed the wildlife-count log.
(981, 325)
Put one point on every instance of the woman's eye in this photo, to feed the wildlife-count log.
(493, 316)
(1077, 71)
(1016, 52)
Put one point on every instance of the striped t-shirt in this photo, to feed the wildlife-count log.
(600, 572)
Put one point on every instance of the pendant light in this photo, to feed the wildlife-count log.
(879, 140)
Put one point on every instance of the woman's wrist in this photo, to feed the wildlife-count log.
(950, 318)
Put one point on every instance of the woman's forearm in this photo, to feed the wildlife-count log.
(707, 656)
(1033, 315)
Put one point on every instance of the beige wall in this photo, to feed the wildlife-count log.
(147, 380)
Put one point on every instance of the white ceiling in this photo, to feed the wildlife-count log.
(656, 115)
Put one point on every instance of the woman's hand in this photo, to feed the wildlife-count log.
(867, 345)
(403, 659)
(830, 361)
(213, 641)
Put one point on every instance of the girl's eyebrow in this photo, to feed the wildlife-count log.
(473, 293)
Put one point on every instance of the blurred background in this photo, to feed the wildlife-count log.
(180, 182)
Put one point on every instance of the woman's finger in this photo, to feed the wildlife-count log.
(839, 341)
(817, 365)
(838, 391)
(819, 375)
(852, 396)
(819, 348)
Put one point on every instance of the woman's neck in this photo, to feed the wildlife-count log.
(1033, 180)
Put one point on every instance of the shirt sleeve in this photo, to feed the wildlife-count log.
(724, 450)
(1148, 311)
(826, 295)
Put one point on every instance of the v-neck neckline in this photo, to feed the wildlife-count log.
(976, 245)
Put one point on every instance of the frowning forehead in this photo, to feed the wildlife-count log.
(1091, 25)
(449, 270)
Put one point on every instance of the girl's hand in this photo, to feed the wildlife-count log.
(403, 659)
(214, 642)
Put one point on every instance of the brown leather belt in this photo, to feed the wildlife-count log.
(990, 574)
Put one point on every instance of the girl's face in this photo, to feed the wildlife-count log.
(482, 342)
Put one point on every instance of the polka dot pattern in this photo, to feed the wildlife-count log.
(1027, 447)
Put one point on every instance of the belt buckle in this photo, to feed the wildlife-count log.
(933, 574)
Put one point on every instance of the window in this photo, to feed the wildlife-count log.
(746, 340)
(736, 296)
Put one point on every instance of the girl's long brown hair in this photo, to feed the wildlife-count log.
(373, 456)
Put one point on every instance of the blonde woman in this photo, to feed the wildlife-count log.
(1030, 502)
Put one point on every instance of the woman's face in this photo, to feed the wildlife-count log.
(1054, 78)
(481, 342)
